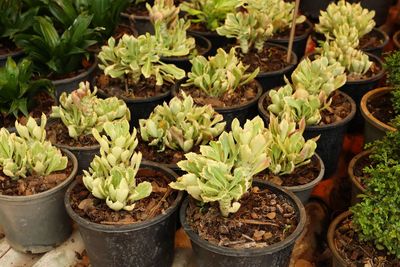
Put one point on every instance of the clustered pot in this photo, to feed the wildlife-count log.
(275, 255)
(39, 222)
(356, 186)
(147, 243)
(374, 129)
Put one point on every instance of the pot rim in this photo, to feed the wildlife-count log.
(373, 78)
(396, 39)
(331, 234)
(299, 37)
(250, 252)
(82, 222)
(347, 119)
(82, 75)
(46, 193)
(368, 115)
(350, 168)
(222, 110)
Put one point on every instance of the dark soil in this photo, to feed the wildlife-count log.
(373, 70)
(125, 89)
(301, 29)
(200, 27)
(370, 40)
(138, 10)
(57, 133)
(240, 96)
(84, 67)
(42, 103)
(7, 46)
(33, 184)
(264, 218)
(300, 176)
(381, 107)
(97, 211)
(358, 253)
(198, 50)
(358, 169)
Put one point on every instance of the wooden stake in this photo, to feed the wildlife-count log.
(292, 31)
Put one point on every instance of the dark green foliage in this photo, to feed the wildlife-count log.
(17, 89)
(392, 65)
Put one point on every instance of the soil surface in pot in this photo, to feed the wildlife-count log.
(96, 210)
(263, 218)
(359, 253)
(57, 133)
(241, 95)
(85, 65)
(381, 107)
(301, 29)
(339, 109)
(373, 70)
(300, 176)
(358, 169)
(125, 88)
(33, 184)
(42, 103)
(7, 46)
(371, 40)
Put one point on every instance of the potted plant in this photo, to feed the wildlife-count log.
(34, 178)
(312, 8)
(177, 128)
(313, 96)
(77, 114)
(371, 224)
(230, 220)
(60, 54)
(381, 106)
(133, 71)
(170, 31)
(381, 8)
(372, 40)
(20, 95)
(206, 16)
(252, 28)
(223, 82)
(137, 15)
(294, 163)
(123, 206)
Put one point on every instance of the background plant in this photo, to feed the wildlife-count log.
(392, 65)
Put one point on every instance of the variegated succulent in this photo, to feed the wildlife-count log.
(136, 58)
(181, 125)
(220, 74)
(111, 175)
(81, 110)
(224, 169)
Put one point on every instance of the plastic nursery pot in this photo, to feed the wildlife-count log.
(396, 40)
(312, 8)
(84, 155)
(299, 42)
(184, 61)
(356, 89)
(276, 255)
(16, 55)
(241, 112)
(39, 222)
(142, 23)
(147, 243)
(356, 187)
(329, 144)
(337, 260)
(272, 79)
(70, 84)
(215, 39)
(374, 129)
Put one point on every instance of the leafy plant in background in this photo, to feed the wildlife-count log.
(81, 111)
(29, 152)
(211, 13)
(18, 88)
(392, 65)
(57, 54)
(220, 74)
(111, 175)
(224, 169)
(181, 125)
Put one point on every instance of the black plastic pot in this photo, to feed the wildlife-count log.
(84, 155)
(396, 40)
(272, 79)
(241, 112)
(142, 24)
(330, 143)
(380, 7)
(337, 260)
(312, 8)
(39, 222)
(299, 42)
(144, 244)
(184, 62)
(216, 40)
(70, 84)
(356, 89)
(356, 186)
(276, 255)
(15, 55)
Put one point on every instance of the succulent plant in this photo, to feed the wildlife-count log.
(165, 11)
(111, 175)
(288, 149)
(224, 169)
(251, 29)
(81, 110)
(211, 13)
(29, 153)
(136, 58)
(220, 74)
(181, 125)
(343, 12)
